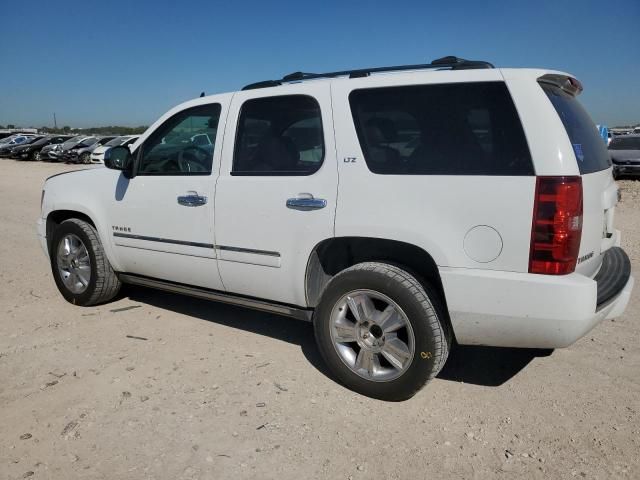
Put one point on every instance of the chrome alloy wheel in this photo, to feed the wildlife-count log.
(372, 335)
(74, 263)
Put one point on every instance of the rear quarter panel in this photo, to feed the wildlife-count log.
(433, 212)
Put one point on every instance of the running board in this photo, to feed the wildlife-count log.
(262, 305)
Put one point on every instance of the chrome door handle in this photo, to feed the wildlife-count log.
(192, 199)
(306, 203)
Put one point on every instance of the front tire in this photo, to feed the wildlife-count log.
(380, 331)
(79, 265)
(85, 158)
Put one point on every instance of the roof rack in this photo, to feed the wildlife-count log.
(450, 62)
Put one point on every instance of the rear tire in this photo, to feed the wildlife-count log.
(369, 352)
(79, 265)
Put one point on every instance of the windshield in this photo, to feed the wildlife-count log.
(89, 141)
(72, 142)
(115, 142)
(625, 143)
(41, 141)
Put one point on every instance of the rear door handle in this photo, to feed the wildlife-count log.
(306, 202)
(192, 199)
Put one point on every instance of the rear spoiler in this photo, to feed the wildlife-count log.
(568, 84)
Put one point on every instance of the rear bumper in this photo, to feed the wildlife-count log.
(510, 309)
(633, 169)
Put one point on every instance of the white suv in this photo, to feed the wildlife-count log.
(397, 208)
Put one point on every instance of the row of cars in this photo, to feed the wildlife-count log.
(61, 148)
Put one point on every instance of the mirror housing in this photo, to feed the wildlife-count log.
(119, 158)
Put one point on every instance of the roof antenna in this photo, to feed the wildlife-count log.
(202, 95)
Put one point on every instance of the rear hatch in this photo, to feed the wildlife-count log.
(600, 193)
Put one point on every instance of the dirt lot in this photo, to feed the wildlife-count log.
(161, 386)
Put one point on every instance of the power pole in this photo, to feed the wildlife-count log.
(55, 122)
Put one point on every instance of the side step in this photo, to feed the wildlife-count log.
(199, 292)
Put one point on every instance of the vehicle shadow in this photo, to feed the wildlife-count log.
(487, 366)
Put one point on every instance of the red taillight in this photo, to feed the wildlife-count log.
(557, 225)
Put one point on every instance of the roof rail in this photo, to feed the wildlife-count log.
(450, 62)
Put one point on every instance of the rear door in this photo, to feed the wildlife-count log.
(600, 193)
(276, 193)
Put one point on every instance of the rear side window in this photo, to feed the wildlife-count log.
(279, 136)
(448, 129)
(590, 149)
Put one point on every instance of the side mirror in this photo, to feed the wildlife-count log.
(119, 158)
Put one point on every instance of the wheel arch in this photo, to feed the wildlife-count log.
(56, 217)
(333, 255)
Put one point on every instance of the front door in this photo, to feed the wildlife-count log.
(162, 219)
(276, 193)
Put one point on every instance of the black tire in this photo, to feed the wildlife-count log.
(103, 284)
(424, 312)
(85, 158)
(34, 156)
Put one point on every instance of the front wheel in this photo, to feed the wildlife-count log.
(80, 267)
(380, 331)
(85, 158)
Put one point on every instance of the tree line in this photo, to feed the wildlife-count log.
(109, 130)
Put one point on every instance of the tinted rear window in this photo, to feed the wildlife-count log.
(625, 143)
(449, 129)
(590, 149)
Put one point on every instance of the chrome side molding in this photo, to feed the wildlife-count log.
(199, 292)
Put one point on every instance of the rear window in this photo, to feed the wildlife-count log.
(449, 129)
(625, 143)
(590, 149)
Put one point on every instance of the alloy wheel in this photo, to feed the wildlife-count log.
(372, 335)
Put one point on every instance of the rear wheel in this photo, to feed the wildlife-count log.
(380, 331)
(80, 267)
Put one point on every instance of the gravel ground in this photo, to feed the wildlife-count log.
(161, 386)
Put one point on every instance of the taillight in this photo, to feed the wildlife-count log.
(557, 225)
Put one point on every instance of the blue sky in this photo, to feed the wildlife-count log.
(126, 62)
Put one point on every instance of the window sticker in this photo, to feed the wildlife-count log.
(577, 148)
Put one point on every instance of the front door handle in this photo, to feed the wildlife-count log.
(192, 199)
(306, 202)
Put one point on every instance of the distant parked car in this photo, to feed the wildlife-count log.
(14, 141)
(52, 153)
(73, 144)
(97, 156)
(82, 153)
(625, 155)
(31, 151)
(6, 148)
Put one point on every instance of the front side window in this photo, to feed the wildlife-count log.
(183, 145)
(279, 136)
(447, 129)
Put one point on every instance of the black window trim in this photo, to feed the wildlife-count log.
(140, 148)
(281, 173)
(359, 133)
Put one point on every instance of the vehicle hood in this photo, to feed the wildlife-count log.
(625, 155)
(101, 149)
